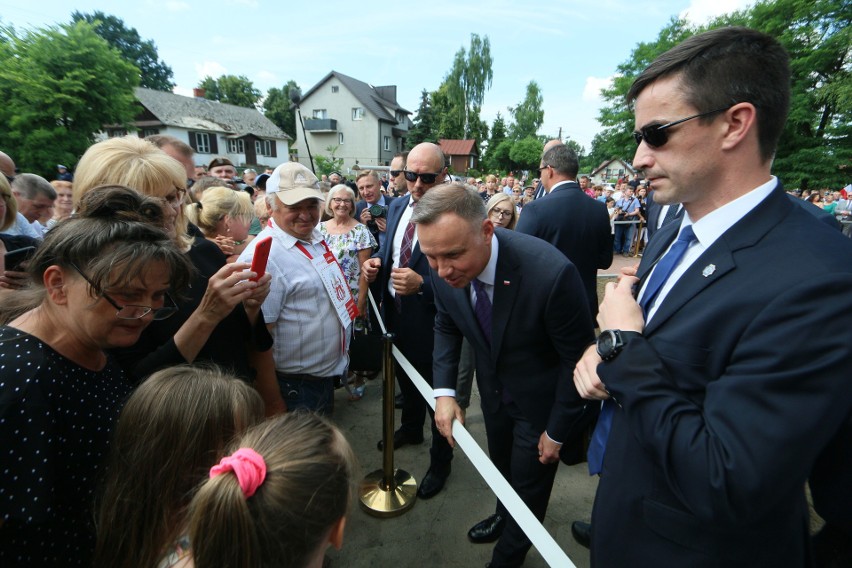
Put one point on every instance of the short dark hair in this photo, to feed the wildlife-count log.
(453, 197)
(726, 66)
(562, 159)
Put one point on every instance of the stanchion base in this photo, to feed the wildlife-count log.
(379, 500)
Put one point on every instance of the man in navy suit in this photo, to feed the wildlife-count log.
(402, 279)
(570, 220)
(517, 300)
(370, 190)
(729, 377)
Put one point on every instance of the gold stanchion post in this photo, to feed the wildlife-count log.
(388, 492)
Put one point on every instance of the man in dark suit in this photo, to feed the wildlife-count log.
(729, 377)
(370, 190)
(659, 215)
(525, 346)
(404, 284)
(569, 220)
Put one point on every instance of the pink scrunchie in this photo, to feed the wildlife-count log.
(247, 465)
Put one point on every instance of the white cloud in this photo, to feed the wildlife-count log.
(702, 11)
(210, 69)
(592, 89)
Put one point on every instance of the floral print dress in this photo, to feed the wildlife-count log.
(345, 248)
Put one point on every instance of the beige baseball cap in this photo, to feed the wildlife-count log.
(292, 182)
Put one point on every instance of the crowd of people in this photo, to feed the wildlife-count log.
(171, 336)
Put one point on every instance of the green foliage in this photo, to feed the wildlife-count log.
(526, 153)
(231, 89)
(467, 82)
(817, 140)
(328, 164)
(449, 119)
(424, 122)
(276, 107)
(498, 134)
(153, 73)
(60, 86)
(528, 115)
(501, 157)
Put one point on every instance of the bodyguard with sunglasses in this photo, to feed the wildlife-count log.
(716, 409)
(408, 308)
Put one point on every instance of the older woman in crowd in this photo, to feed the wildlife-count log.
(218, 320)
(64, 204)
(97, 283)
(502, 211)
(224, 216)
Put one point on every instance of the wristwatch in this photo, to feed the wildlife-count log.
(611, 342)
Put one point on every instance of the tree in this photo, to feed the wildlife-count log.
(449, 121)
(153, 73)
(59, 87)
(276, 107)
(498, 134)
(817, 139)
(326, 165)
(528, 115)
(526, 153)
(230, 89)
(501, 158)
(424, 122)
(467, 81)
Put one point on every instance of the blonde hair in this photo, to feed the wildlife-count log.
(309, 486)
(333, 191)
(499, 198)
(11, 204)
(216, 203)
(137, 164)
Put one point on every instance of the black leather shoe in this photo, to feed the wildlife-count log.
(432, 483)
(582, 533)
(488, 530)
(400, 439)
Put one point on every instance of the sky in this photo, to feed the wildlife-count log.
(570, 48)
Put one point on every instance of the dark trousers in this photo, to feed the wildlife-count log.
(414, 410)
(513, 447)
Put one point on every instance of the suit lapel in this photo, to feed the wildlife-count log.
(507, 283)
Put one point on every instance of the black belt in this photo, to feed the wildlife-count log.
(304, 377)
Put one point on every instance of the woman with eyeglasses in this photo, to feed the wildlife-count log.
(352, 244)
(502, 211)
(97, 283)
(219, 319)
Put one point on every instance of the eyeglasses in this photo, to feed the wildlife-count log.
(176, 198)
(426, 178)
(340, 200)
(542, 168)
(656, 136)
(9, 178)
(500, 213)
(132, 312)
(394, 173)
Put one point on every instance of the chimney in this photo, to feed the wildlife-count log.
(198, 93)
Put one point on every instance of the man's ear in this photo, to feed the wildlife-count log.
(740, 122)
(55, 281)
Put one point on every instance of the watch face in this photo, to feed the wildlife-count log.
(606, 343)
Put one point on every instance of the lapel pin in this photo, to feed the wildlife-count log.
(708, 270)
(506, 282)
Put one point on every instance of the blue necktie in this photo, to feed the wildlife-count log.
(597, 447)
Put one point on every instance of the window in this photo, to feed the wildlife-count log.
(236, 146)
(335, 88)
(340, 138)
(202, 143)
(117, 133)
(320, 113)
(358, 113)
(400, 117)
(387, 143)
(263, 147)
(150, 132)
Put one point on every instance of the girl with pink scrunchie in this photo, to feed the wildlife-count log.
(280, 497)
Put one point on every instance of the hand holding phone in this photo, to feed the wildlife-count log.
(260, 258)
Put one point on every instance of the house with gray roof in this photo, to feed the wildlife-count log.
(363, 124)
(243, 135)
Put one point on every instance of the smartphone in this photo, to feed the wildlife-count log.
(13, 259)
(261, 256)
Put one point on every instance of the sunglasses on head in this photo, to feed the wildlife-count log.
(426, 178)
(656, 135)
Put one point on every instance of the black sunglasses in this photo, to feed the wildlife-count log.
(426, 178)
(655, 135)
(395, 173)
(541, 169)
